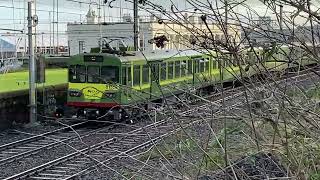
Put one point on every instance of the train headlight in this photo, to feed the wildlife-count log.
(75, 93)
(109, 95)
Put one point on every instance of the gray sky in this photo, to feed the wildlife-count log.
(12, 14)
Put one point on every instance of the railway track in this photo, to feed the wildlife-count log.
(122, 144)
(84, 160)
(81, 161)
(29, 146)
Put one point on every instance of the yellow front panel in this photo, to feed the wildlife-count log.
(93, 91)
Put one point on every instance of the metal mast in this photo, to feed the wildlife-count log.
(136, 25)
(57, 27)
(281, 18)
(32, 65)
(53, 28)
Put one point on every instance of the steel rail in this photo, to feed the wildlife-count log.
(29, 139)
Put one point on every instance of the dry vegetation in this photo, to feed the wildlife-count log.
(273, 132)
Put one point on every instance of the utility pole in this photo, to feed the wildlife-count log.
(104, 13)
(42, 44)
(57, 26)
(34, 12)
(53, 31)
(226, 20)
(136, 25)
(32, 65)
(50, 41)
(24, 30)
(120, 11)
(100, 25)
(281, 17)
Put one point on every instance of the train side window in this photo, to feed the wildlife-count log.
(220, 62)
(202, 63)
(163, 71)
(129, 76)
(183, 68)
(93, 74)
(124, 75)
(145, 74)
(196, 65)
(72, 73)
(110, 74)
(155, 71)
(77, 74)
(225, 61)
(206, 61)
(81, 73)
(189, 67)
(177, 69)
(214, 63)
(170, 70)
(136, 75)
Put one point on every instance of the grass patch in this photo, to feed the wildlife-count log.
(20, 80)
(313, 93)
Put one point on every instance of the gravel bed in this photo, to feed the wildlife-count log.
(53, 153)
(18, 132)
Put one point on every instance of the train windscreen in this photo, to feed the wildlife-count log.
(110, 74)
(77, 74)
(93, 74)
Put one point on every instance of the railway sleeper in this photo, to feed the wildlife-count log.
(56, 137)
(96, 155)
(105, 151)
(83, 158)
(56, 171)
(25, 147)
(9, 152)
(133, 140)
(44, 143)
(113, 146)
(43, 178)
(64, 167)
(74, 165)
(15, 150)
(79, 161)
(34, 145)
(51, 174)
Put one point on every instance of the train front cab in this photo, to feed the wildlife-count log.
(93, 88)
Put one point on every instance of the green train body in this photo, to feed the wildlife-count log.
(102, 83)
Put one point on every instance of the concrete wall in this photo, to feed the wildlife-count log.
(178, 35)
(14, 109)
(14, 105)
(90, 35)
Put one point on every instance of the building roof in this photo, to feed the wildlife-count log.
(159, 54)
(6, 46)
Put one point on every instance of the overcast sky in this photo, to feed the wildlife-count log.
(12, 13)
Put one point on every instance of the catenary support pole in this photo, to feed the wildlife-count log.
(136, 25)
(32, 68)
(281, 17)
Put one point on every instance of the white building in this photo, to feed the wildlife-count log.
(83, 37)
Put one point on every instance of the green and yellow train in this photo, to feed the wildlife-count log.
(106, 83)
